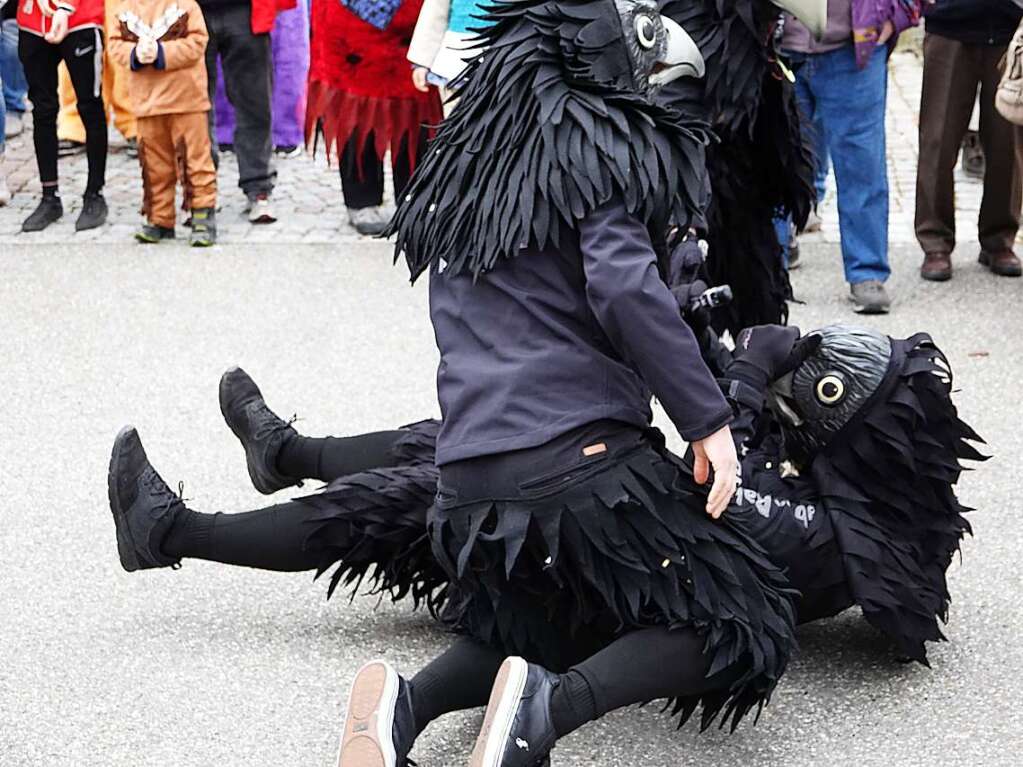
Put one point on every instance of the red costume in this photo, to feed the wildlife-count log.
(360, 81)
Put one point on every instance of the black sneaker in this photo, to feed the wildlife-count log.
(517, 729)
(144, 508)
(94, 212)
(259, 429)
(204, 228)
(48, 210)
(379, 727)
(152, 233)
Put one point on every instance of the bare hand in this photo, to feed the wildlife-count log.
(146, 51)
(717, 452)
(58, 27)
(886, 33)
(419, 79)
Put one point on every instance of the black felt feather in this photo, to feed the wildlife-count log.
(547, 128)
(761, 167)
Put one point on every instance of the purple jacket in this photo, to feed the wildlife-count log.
(865, 19)
(869, 16)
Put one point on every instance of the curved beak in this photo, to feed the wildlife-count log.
(682, 58)
(813, 13)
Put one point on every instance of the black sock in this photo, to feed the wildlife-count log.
(572, 703)
(460, 678)
(51, 190)
(268, 539)
(327, 458)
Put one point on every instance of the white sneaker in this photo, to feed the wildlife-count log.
(14, 125)
(369, 221)
(260, 211)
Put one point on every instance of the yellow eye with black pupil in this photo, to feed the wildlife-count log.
(830, 390)
(646, 31)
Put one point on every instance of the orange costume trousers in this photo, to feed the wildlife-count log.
(175, 149)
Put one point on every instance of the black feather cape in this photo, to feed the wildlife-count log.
(761, 167)
(887, 481)
(547, 128)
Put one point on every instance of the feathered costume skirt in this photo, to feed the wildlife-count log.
(577, 557)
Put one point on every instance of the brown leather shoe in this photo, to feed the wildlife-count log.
(1003, 263)
(937, 266)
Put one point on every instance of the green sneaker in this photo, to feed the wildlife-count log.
(151, 234)
(204, 228)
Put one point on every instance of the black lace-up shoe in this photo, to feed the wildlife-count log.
(143, 506)
(379, 726)
(259, 429)
(517, 729)
(94, 212)
(49, 210)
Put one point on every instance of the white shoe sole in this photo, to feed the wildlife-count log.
(367, 739)
(497, 723)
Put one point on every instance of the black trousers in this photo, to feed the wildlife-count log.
(952, 73)
(362, 174)
(82, 51)
(248, 80)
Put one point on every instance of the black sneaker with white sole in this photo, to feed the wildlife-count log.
(518, 730)
(144, 507)
(261, 431)
(379, 725)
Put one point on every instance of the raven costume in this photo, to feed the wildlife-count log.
(538, 213)
(847, 482)
(761, 168)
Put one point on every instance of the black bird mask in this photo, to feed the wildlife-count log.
(555, 118)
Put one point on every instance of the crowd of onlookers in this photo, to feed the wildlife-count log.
(184, 80)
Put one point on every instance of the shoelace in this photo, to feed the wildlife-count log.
(267, 421)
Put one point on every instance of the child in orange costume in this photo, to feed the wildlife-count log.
(163, 42)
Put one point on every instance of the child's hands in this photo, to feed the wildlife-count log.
(58, 27)
(146, 50)
(419, 78)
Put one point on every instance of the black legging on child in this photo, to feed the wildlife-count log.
(82, 51)
(640, 666)
(362, 176)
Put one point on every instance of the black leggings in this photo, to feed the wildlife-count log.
(362, 178)
(82, 51)
(640, 666)
(274, 538)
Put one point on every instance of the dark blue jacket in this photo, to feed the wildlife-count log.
(975, 22)
(549, 341)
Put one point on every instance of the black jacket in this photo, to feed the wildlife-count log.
(974, 22)
(549, 341)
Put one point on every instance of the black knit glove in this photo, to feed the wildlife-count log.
(765, 353)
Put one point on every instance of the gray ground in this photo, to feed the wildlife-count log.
(214, 666)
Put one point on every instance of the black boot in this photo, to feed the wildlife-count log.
(518, 730)
(48, 210)
(261, 431)
(94, 212)
(144, 508)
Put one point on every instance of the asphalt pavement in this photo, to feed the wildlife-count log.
(210, 665)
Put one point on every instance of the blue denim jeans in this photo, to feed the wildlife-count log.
(849, 105)
(15, 88)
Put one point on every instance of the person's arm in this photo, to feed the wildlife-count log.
(121, 46)
(429, 32)
(901, 15)
(185, 43)
(640, 317)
